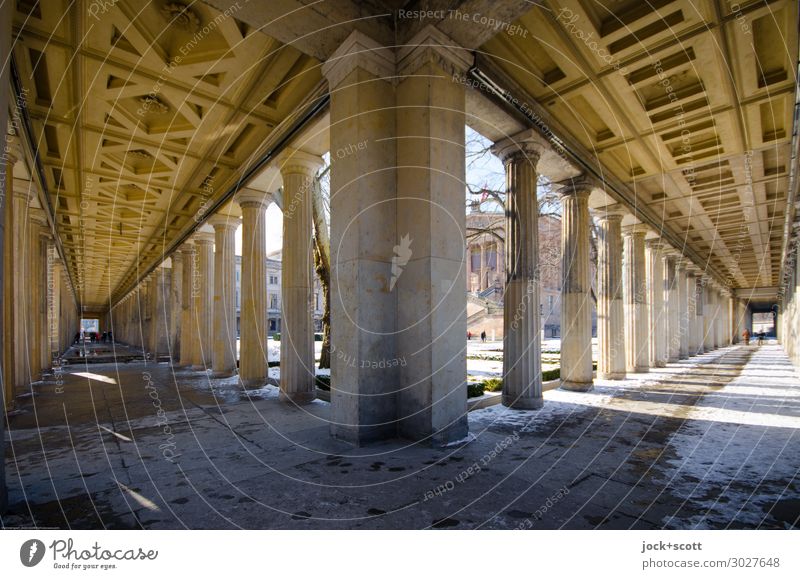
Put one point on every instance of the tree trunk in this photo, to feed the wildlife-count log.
(322, 264)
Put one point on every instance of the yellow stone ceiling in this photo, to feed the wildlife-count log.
(703, 138)
(143, 113)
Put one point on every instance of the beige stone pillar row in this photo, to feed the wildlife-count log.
(35, 291)
(21, 300)
(576, 302)
(610, 295)
(176, 306)
(656, 311)
(708, 316)
(298, 371)
(203, 299)
(253, 337)
(691, 310)
(9, 283)
(637, 341)
(223, 361)
(54, 303)
(672, 305)
(683, 310)
(45, 277)
(188, 333)
(522, 365)
(700, 306)
(431, 307)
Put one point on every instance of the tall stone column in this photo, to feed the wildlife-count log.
(6, 174)
(683, 310)
(23, 192)
(176, 307)
(158, 304)
(700, 307)
(576, 302)
(522, 370)
(672, 305)
(35, 292)
(637, 346)
(297, 278)
(656, 311)
(397, 240)
(203, 296)
(253, 337)
(469, 268)
(45, 242)
(610, 314)
(188, 332)
(708, 316)
(691, 311)
(223, 360)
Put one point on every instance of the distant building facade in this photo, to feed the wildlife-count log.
(486, 273)
(273, 269)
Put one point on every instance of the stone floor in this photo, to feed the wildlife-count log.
(706, 443)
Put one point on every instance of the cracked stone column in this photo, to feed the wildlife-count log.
(672, 305)
(298, 170)
(223, 359)
(683, 310)
(522, 369)
(188, 333)
(637, 347)
(610, 306)
(576, 302)
(691, 310)
(253, 351)
(203, 299)
(656, 313)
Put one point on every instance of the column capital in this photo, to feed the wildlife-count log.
(613, 212)
(252, 198)
(224, 221)
(528, 145)
(654, 244)
(639, 229)
(23, 190)
(432, 45)
(203, 238)
(37, 216)
(580, 186)
(294, 161)
(177, 256)
(358, 51)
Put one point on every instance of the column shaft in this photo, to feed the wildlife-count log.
(297, 332)
(253, 349)
(610, 314)
(224, 341)
(683, 312)
(188, 333)
(522, 371)
(637, 347)
(672, 306)
(576, 303)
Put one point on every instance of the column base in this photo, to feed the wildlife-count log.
(673, 360)
(638, 370)
(252, 383)
(298, 398)
(199, 368)
(611, 375)
(222, 373)
(659, 364)
(576, 386)
(519, 403)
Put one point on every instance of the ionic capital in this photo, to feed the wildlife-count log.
(525, 146)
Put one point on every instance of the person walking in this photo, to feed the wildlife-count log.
(483, 336)
(746, 336)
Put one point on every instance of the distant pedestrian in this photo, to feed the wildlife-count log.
(483, 336)
(746, 336)
(761, 338)
(469, 335)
